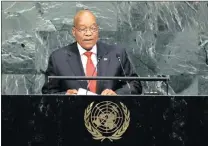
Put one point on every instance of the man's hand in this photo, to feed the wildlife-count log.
(108, 92)
(71, 92)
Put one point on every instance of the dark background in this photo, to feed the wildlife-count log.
(59, 120)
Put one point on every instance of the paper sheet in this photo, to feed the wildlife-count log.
(82, 91)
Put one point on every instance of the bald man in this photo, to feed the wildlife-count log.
(89, 57)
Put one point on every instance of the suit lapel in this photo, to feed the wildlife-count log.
(102, 68)
(75, 63)
(103, 64)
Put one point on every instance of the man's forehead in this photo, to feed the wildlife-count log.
(84, 25)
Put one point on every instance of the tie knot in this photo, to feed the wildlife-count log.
(88, 54)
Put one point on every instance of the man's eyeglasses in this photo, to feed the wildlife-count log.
(85, 29)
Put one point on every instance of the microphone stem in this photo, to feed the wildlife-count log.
(124, 74)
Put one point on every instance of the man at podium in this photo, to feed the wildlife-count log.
(90, 57)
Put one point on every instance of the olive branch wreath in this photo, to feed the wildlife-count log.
(97, 135)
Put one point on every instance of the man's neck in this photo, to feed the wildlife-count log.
(82, 50)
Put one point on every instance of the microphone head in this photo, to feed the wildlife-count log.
(99, 58)
(117, 55)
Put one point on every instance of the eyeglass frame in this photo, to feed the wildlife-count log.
(88, 28)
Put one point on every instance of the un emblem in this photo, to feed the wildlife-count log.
(106, 120)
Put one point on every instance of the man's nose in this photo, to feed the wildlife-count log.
(88, 32)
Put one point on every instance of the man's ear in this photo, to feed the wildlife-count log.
(73, 31)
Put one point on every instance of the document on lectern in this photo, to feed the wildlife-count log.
(82, 91)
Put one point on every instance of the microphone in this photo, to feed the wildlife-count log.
(119, 59)
(98, 60)
(206, 56)
(42, 72)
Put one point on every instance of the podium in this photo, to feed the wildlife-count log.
(61, 120)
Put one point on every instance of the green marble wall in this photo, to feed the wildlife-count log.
(162, 38)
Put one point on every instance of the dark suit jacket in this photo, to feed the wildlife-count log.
(67, 62)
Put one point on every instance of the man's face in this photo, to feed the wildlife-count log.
(85, 30)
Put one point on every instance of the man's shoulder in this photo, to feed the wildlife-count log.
(63, 50)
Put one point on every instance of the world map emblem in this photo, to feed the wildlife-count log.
(106, 120)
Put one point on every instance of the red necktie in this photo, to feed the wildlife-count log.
(90, 68)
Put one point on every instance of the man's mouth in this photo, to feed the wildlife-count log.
(87, 40)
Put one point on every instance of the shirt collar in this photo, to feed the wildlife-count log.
(82, 50)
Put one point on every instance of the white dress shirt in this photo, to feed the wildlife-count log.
(84, 57)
